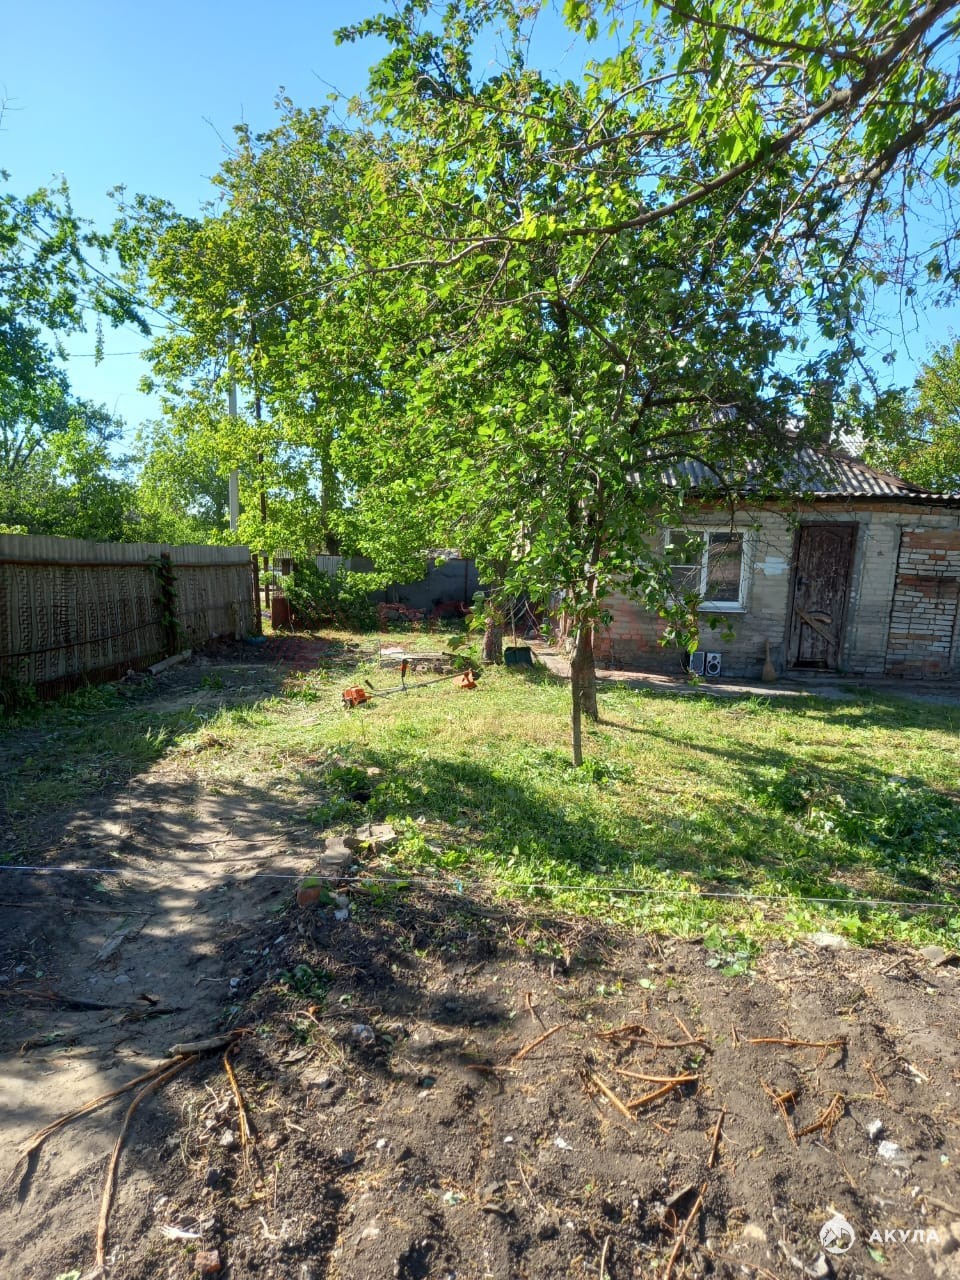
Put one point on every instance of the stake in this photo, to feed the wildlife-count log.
(799, 1044)
(682, 1234)
(611, 1096)
(519, 1056)
(662, 1092)
(243, 1124)
(603, 1259)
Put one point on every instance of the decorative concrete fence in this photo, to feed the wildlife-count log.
(72, 611)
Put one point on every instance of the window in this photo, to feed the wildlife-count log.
(709, 562)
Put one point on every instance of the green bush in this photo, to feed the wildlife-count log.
(316, 599)
(15, 696)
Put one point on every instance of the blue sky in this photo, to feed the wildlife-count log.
(144, 96)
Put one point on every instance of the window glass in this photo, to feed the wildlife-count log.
(724, 562)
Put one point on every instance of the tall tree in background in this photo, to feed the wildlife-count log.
(57, 474)
(916, 431)
(241, 283)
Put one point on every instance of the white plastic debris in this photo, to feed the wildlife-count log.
(892, 1152)
(178, 1233)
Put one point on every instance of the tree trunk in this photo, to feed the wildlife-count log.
(588, 687)
(329, 493)
(492, 640)
(583, 671)
(575, 725)
(583, 687)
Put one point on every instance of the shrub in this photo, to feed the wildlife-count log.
(316, 599)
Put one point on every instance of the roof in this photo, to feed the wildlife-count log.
(818, 474)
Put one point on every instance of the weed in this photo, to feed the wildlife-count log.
(732, 953)
(306, 981)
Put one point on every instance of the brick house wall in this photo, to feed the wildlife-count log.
(902, 605)
(922, 639)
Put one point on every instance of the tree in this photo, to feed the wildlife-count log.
(235, 280)
(862, 101)
(594, 291)
(521, 307)
(181, 489)
(56, 472)
(917, 433)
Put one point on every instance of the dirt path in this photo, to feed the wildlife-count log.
(167, 875)
(437, 1078)
(832, 686)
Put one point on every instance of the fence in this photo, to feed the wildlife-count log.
(445, 580)
(72, 611)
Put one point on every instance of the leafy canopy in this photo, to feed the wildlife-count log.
(57, 474)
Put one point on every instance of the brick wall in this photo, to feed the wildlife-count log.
(632, 639)
(893, 627)
(923, 619)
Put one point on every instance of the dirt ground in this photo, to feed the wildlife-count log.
(437, 1084)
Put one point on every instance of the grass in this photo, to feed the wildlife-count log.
(767, 804)
(795, 800)
(53, 755)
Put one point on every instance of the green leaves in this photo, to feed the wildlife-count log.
(917, 433)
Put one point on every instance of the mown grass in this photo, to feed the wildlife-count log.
(693, 814)
(57, 754)
(772, 802)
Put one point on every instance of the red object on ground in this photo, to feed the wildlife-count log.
(467, 681)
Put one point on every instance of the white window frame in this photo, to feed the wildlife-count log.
(705, 531)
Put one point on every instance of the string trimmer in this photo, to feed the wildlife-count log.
(356, 695)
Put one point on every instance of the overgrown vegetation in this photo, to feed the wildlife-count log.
(916, 432)
(342, 600)
(493, 308)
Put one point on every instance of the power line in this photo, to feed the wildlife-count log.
(627, 891)
(132, 298)
(106, 355)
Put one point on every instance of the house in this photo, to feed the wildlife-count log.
(860, 576)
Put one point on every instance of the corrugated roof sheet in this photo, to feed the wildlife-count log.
(816, 475)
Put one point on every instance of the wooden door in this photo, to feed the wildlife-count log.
(824, 556)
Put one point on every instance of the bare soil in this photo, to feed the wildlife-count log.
(434, 1080)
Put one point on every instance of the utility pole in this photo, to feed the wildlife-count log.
(258, 417)
(234, 490)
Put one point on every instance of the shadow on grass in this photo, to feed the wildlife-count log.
(539, 674)
(782, 825)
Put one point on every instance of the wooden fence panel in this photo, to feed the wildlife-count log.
(72, 610)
